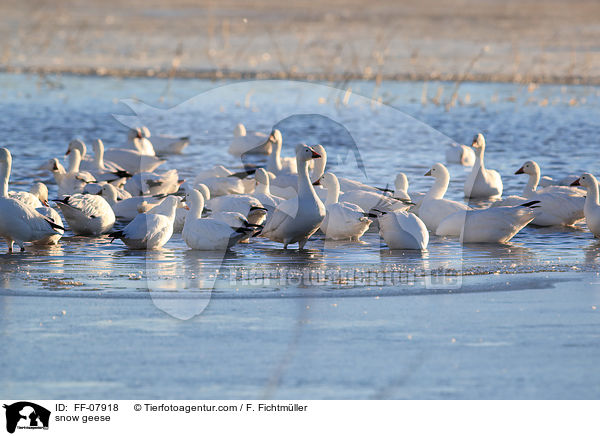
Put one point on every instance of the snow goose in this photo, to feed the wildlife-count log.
(297, 219)
(434, 207)
(277, 164)
(342, 221)
(244, 142)
(482, 183)
(150, 230)
(496, 225)
(403, 231)
(222, 181)
(96, 167)
(460, 154)
(559, 205)
(209, 233)
(247, 205)
(19, 222)
(71, 181)
(87, 214)
(133, 161)
(286, 185)
(138, 139)
(125, 209)
(153, 183)
(166, 144)
(592, 205)
(262, 192)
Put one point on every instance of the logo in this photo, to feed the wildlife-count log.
(26, 415)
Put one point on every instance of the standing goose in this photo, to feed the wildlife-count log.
(496, 225)
(592, 204)
(209, 233)
(150, 230)
(19, 222)
(482, 183)
(297, 219)
(559, 205)
(87, 214)
(342, 221)
(434, 207)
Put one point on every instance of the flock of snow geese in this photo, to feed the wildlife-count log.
(287, 201)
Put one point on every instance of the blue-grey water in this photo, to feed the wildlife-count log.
(282, 324)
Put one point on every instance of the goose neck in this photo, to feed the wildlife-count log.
(439, 188)
(4, 176)
(532, 184)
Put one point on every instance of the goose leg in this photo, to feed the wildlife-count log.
(9, 244)
(302, 243)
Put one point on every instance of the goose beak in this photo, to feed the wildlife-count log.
(186, 207)
(315, 155)
(428, 173)
(45, 203)
(520, 171)
(271, 138)
(317, 183)
(576, 183)
(68, 151)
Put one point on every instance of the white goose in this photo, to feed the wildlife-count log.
(286, 185)
(71, 181)
(181, 213)
(277, 164)
(592, 204)
(153, 183)
(138, 139)
(496, 225)
(133, 161)
(37, 198)
(262, 192)
(434, 207)
(403, 231)
(209, 233)
(460, 154)
(96, 167)
(249, 142)
(297, 219)
(166, 144)
(19, 222)
(559, 205)
(342, 221)
(482, 183)
(222, 181)
(125, 209)
(87, 214)
(151, 230)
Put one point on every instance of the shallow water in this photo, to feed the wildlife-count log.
(555, 125)
(76, 320)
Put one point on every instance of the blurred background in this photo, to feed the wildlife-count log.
(485, 40)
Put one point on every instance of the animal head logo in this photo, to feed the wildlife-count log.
(26, 415)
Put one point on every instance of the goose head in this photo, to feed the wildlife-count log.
(239, 130)
(203, 189)
(275, 137)
(586, 180)
(134, 133)
(438, 171)
(530, 167)
(478, 143)
(401, 182)
(41, 192)
(76, 144)
(109, 193)
(304, 153)
(53, 165)
(145, 132)
(97, 146)
(330, 181)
